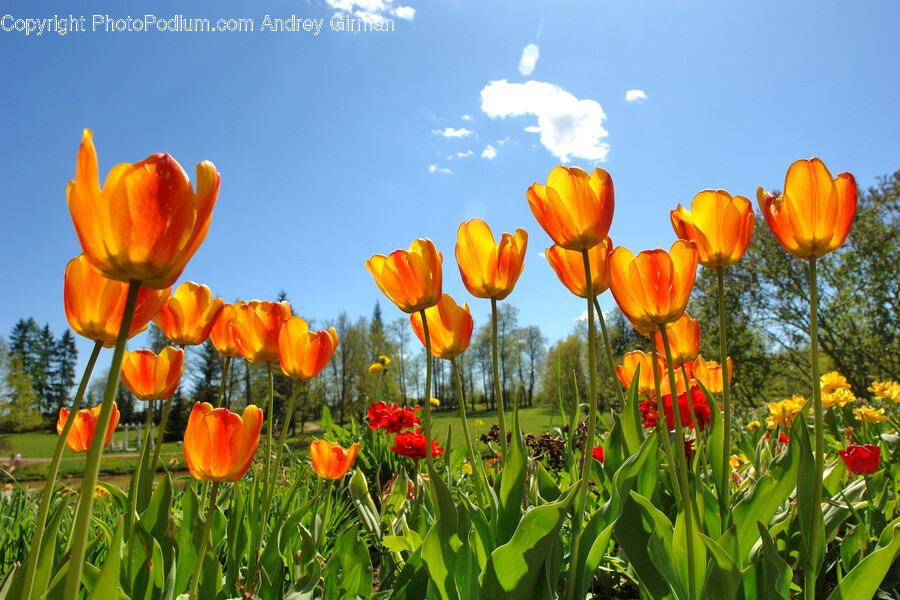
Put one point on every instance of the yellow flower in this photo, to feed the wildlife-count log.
(839, 397)
(885, 390)
(478, 423)
(753, 425)
(376, 369)
(737, 460)
(833, 381)
(868, 414)
(101, 493)
(467, 469)
(782, 413)
(384, 359)
(435, 402)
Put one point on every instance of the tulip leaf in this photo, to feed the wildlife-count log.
(365, 506)
(238, 546)
(441, 545)
(723, 580)
(763, 500)
(808, 512)
(513, 569)
(512, 484)
(412, 582)
(660, 545)
(480, 538)
(632, 430)
(547, 487)
(777, 572)
(186, 545)
(106, 585)
(348, 573)
(716, 445)
(862, 582)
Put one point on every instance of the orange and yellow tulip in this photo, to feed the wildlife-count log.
(81, 435)
(489, 270)
(720, 225)
(653, 288)
(257, 327)
(569, 267)
(410, 279)
(330, 460)
(646, 383)
(94, 304)
(813, 215)
(449, 327)
(222, 334)
(146, 222)
(189, 314)
(219, 445)
(150, 376)
(574, 208)
(709, 373)
(302, 353)
(684, 339)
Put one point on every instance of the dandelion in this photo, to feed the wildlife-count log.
(478, 423)
(384, 359)
(376, 369)
(435, 402)
(753, 425)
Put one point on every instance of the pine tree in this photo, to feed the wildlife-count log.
(209, 377)
(64, 360)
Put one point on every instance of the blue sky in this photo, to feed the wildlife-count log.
(337, 146)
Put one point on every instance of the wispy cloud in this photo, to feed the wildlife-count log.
(530, 55)
(373, 10)
(467, 118)
(437, 169)
(489, 152)
(465, 154)
(569, 127)
(452, 133)
(635, 95)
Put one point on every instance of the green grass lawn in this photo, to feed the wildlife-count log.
(534, 420)
(43, 444)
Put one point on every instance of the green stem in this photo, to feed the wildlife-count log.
(686, 506)
(662, 429)
(280, 452)
(50, 484)
(132, 492)
(92, 465)
(815, 537)
(267, 468)
(588, 455)
(725, 501)
(429, 451)
(159, 436)
(498, 385)
(195, 579)
(476, 471)
(224, 377)
(617, 385)
(326, 516)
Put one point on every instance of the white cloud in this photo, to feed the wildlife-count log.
(583, 317)
(467, 118)
(437, 169)
(635, 95)
(489, 152)
(452, 133)
(465, 154)
(569, 127)
(529, 58)
(373, 11)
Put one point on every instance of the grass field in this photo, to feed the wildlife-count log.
(534, 420)
(43, 444)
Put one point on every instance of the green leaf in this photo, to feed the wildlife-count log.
(547, 487)
(514, 568)
(723, 580)
(808, 513)
(777, 572)
(512, 484)
(660, 544)
(862, 582)
(441, 545)
(365, 506)
(349, 571)
(392, 508)
(107, 584)
(763, 500)
(632, 426)
(412, 582)
(716, 446)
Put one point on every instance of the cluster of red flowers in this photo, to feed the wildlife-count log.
(701, 410)
(412, 444)
(392, 418)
